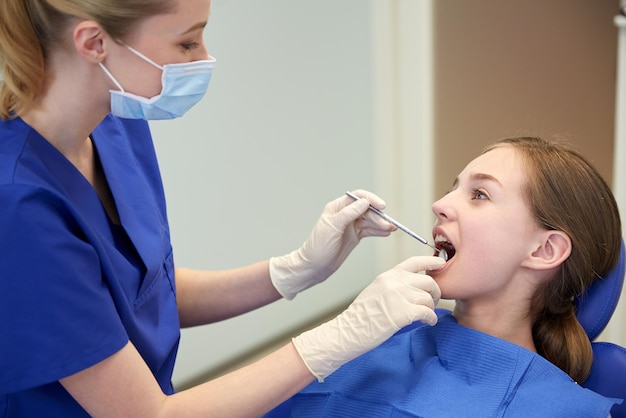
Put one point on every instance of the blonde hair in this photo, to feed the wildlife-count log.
(31, 29)
(566, 193)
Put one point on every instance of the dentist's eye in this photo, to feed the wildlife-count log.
(479, 195)
(188, 46)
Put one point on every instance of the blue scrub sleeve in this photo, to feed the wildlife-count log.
(57, 316)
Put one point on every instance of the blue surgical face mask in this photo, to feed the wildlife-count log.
(183, 85)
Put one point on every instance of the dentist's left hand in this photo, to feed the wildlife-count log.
(343, 223)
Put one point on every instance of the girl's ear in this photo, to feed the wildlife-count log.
(89, 41)
(553, 249)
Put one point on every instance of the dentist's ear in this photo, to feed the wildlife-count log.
(553, 249)
(89, 41)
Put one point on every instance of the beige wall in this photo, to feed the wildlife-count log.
(506, 68)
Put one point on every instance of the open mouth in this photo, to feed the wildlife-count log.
(446, 249)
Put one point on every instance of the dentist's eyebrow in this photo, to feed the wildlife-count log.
(199, 25)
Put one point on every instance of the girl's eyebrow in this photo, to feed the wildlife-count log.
(484, 176)
(479, 176)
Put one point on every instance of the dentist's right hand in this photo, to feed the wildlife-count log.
(395, 299)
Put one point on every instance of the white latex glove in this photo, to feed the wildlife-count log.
(393, 300)
(337, 232)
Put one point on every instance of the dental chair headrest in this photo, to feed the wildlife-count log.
(595, 307)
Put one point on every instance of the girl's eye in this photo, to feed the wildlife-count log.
(479, 195)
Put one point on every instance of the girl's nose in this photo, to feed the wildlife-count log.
(441, 208)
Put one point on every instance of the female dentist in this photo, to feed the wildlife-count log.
(90, 301)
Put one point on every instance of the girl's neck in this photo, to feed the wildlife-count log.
(509, 323)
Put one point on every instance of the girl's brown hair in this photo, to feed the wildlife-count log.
(566, 193)
(30, 29)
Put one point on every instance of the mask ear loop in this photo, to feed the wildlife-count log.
(142, 56)
(108, 73)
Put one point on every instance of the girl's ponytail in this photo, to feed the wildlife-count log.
(561, 339)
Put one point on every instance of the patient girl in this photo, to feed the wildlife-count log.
(529, 225)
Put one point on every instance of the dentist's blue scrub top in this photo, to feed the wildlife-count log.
(74, 287)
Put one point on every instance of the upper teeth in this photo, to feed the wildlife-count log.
(442, 252)
(440, 238)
